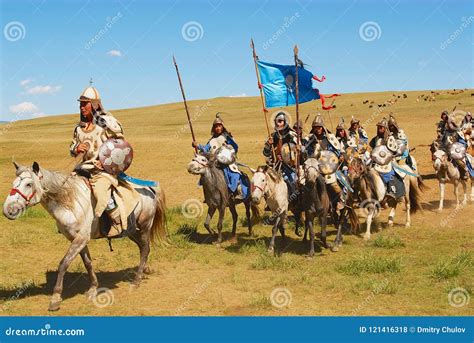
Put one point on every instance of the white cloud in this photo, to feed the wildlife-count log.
(116, 53)
(24, 107)
(238, 95)
(43, 89)
(25, 82)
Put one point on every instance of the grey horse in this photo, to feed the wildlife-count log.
(69, 201)
(217, 195)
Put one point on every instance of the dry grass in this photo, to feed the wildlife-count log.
(412, 269)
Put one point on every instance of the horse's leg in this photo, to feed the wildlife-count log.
(337, 223)
(271, 247)
(442, 187)
(368, 222)
(456, 193)
(309, 226)
(297, 214)
(219, 224)
(86, 258)
(143, 242)
(249, 218)
(74, 249)
(234, 221)
(323, 219)
(282, 225)
(391, 215)
(464, 188)
(407, 203)
(472, 189)
(210, 212)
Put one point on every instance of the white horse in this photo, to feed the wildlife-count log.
(70, 202)
(368, 184)
(268, 184)
(447, 172)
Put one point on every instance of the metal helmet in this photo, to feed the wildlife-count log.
(217, 121)
(341, 126)
(354, 120)
(383, 122)
(92, 95)
(318, 121)
(281, 116)
(392, 122)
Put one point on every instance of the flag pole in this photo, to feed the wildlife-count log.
(329, 114)
(262, 97)
(185, 103)
(295, 51)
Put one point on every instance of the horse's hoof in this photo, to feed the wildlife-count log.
(91, 293)
(271, 250)
(233, 240)
(54, 305)
(148, 270)
(298, 232)
(366, 237)
(310, 255)
(334, 248)
(407, 225)
(390, 224)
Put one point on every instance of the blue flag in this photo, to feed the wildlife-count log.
(278, 82)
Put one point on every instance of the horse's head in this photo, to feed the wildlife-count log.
(311, 169)
(439, 158)
(258, 183)
(26, 191)
(198, 165)
(357, 168)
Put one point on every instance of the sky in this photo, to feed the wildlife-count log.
(50, 49)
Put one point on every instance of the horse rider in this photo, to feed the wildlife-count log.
(342, 134)
(280, 150)
(357, 131)
(384, 147)
(96, 126)
(459, 152)
(441, 127)
(318, 143)
(468, 119)
(403, 153)
(236, 181)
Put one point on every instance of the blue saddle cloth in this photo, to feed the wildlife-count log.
(233, 180)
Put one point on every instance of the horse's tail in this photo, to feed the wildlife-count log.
(415, 195)
(158, 232)
(422, 186)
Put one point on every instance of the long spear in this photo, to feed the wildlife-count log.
(185, 103)
(295, 51)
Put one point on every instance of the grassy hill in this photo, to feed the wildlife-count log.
(400, 272)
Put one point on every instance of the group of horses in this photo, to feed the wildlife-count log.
(312, 197)
(69, 200)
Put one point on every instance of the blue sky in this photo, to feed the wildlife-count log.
(48, 49)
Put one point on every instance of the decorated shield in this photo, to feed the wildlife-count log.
(225, 155)
(216, 143)
(457, 151)
(115, 155)
(334, 141)
(392, 144)
(288, 154)
(381, 155)
(401, 147)
(328, 162)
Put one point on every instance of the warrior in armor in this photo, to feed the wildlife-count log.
(280, 150)
(468, 119)
(358, 131)
(236, 182)
(403, 153)
(441, 128)
(384, 148)
(458, 153)
(342, 135)
(95, 127)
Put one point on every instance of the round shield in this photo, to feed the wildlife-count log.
(334, 141)
(401, 147)
(225, 155)
(288, 154)
(381, 155)
(457, 151)
(115, 155)
(392, 144)
(328, 162)
(216, 143)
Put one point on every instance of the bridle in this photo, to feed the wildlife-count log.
(262, 189)
(199, 162)
(27, 198)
